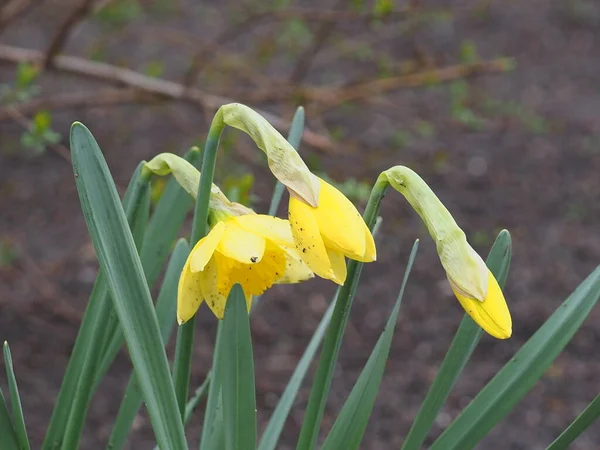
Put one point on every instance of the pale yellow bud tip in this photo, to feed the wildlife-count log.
(491, 314)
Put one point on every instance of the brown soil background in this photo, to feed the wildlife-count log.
(534, 172)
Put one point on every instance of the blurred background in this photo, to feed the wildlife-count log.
(495, 103)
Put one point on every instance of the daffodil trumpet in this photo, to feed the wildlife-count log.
(242, 247)
(253, 250)
(474, 285)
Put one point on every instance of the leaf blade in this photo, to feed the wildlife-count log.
(521, 373)
(350, 425)
(238, 388)
(165, 311)
(15, 401)
(459, 353)
(98, 304)
(581, 423)
(7, 431)
(118, 257)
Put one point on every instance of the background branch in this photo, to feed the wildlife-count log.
(63, 32)
(158, 87)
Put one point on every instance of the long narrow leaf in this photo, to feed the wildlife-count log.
(161, 231)
(212, 428)
(578, 426)
(521, 373)
(319, 392)
(239, 396)
(165, 311)
(118, 257)
(199, 394)
(98, 303)
(7, 432)
(136, 203)
(348, 430)
(15, 400)
(270, 436)
(466, 339)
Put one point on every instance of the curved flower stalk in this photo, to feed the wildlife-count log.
(326, 226)
(472, 282)
(284, 162)
(242, 247)
(188, 178)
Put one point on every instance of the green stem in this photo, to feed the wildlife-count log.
(185, 333)
(333, 340)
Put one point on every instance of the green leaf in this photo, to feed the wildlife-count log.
(460, 351)
(98, 305)
(294, 138)
(165, 311)
(136, 202)
(9, 437)
(350, 425)
(118, 257)
(15, 401)
(270, 436)
(239, 397)
(578, 426)
(212, 428)
(521, 373)
(216, 433)
(199, 394)
(333, 339)
(158, 239)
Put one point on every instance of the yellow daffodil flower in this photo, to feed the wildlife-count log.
(472, 282)
(330, 231)
(253, 250)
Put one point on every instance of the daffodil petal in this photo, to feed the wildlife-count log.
(492, 314)
(213, 296)
(189, 293)
(272, 228)
(340, 223)
(307, 238)
(338, 265)
(241, 245)
(370, 254)
(296, 270)
(204, 249)
(254, 278)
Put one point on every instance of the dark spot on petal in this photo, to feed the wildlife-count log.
(304, 250)
(254, 259)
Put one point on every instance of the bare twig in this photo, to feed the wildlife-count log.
(332, 97)
(158, 87)
(64, 30)
(86, 99)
